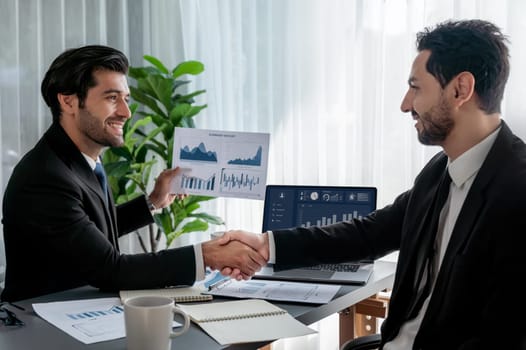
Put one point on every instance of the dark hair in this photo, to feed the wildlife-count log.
(71, 73)
(474, 46)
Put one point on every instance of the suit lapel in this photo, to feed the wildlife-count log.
(112, 215)
(405, 290)
(68, 152)
(469, 214)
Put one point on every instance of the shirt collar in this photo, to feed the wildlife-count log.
(92, 163)
(469, 162)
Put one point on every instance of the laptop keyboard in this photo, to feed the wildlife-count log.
(334, 267)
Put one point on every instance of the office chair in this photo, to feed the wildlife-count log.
(366, 342)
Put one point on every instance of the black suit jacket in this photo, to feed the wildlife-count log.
(59, 234)
(473, 301)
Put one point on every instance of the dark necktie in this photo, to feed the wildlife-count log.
(426, 254)
(101, 176)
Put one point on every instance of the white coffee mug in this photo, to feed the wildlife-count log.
(149, 321)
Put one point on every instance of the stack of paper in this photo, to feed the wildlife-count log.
(275, 290)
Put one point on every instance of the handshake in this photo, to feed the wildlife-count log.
(238, 254)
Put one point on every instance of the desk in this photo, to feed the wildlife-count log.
(39, 334)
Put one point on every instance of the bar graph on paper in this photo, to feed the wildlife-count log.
(196, 183)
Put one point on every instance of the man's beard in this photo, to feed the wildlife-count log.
(436, 124)
(91, 127)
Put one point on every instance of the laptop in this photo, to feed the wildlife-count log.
(289, 206)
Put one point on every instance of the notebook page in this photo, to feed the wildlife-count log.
(243, 321)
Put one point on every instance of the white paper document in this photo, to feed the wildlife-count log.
(276, 290)
(89, 321)
(221, 163)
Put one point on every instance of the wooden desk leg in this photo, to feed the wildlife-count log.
(367, 313)
(361, 319)
(365, 325)
(347, 324)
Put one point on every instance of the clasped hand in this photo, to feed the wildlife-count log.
(238, 254)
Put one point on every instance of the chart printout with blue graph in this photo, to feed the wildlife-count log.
(221, 163)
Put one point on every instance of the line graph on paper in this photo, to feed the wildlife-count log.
(253, 158)
(240, 181)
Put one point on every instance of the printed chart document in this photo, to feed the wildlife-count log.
(245, 321)
(275, 290)
(89, 321)
(221, 163)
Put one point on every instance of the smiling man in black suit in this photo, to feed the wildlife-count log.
(60, 227)
(455, 277)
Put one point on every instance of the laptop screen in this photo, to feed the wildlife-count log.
(289, 206)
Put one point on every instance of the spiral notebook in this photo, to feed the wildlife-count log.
(179, 295)
(245, 321)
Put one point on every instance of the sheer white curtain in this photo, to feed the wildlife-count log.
(324, 77)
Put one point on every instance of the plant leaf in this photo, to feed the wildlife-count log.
(158, 87)
(213, 219)
(194, 226)
(117, 169)
(154, 61)
(141, 97)
(137, 72)
(197, 198)
(188, 67)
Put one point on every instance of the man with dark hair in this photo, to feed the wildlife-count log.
(61, 227)
(460, 230)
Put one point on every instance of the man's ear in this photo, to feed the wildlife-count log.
(464, 87)
(68, 103)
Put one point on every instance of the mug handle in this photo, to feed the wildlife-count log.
(186, 324)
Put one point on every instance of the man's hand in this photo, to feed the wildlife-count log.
(258, 242)
(233, 254)
(161, 195)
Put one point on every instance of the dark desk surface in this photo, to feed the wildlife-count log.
(39, 334)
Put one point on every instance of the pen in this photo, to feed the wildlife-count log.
(219, 283)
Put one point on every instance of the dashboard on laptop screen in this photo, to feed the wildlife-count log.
(293, 206)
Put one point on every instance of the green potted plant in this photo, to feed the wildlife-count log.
(160, 105)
